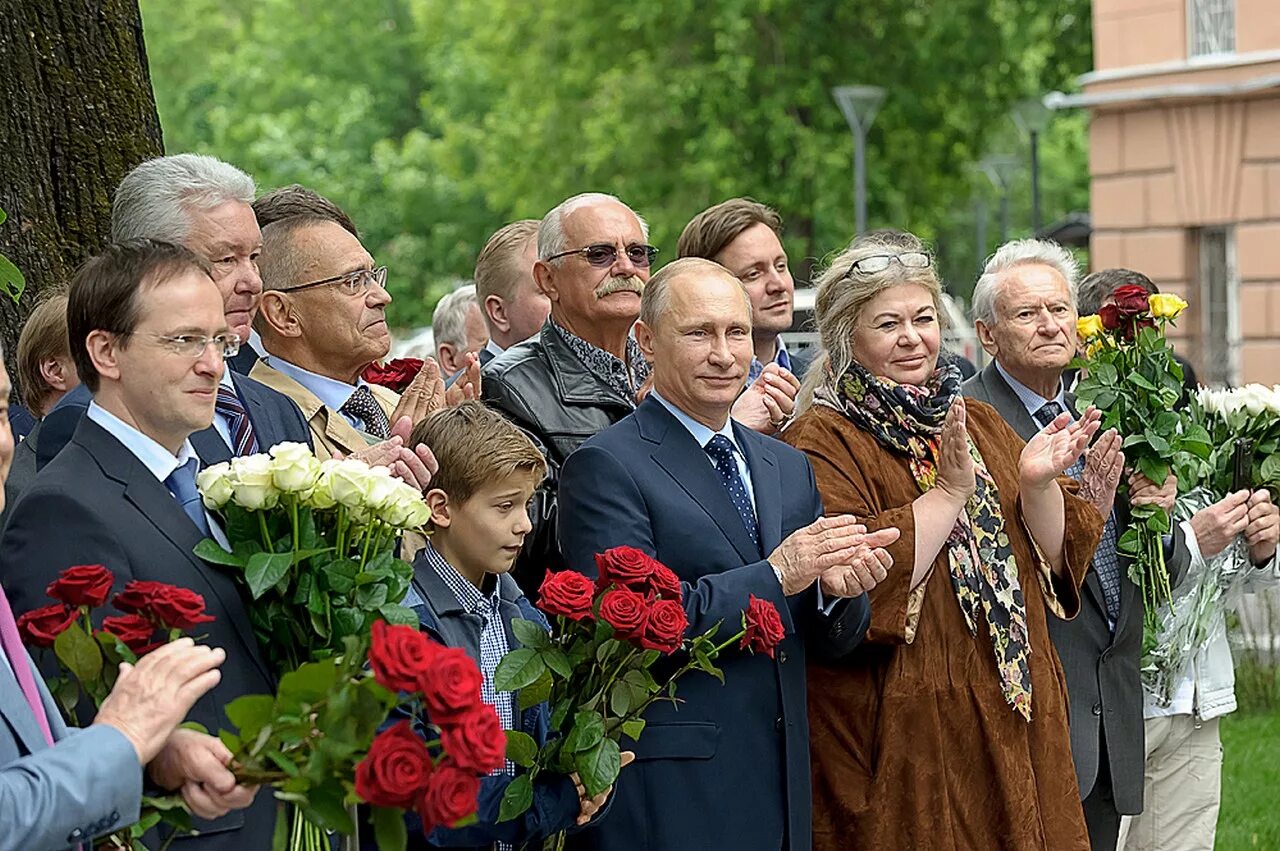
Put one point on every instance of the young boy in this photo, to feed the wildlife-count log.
(464, 598)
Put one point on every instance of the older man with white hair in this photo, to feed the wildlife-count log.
(1025, 312)
(458, 328)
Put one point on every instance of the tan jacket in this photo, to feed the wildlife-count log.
(329, 429)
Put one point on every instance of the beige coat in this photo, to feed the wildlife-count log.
(329, 429)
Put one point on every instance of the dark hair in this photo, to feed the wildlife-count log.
(709, 232)
(1098, 287)
(104, 293)
(298, 200)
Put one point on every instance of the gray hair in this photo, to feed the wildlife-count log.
(551, 239)
(1020, 252)
(155, 200)
(656, 298)
(1098, 287)
(842, 294)
(449, 321)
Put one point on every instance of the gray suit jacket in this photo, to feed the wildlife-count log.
(51, 798)
(1104, 687)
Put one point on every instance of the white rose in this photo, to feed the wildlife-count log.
(349, 482)
(397, 510)
(1255, 398)
(215, 485)
(419, 514)
(294, 468)
(253, 484)
(320, 496)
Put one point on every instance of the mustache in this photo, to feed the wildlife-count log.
(618, 284)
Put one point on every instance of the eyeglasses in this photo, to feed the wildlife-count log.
(193, 345)
(603, 254)
(350, 283)
(880, 262)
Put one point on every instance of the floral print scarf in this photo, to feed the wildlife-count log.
(907, 419)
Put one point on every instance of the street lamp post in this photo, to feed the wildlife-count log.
(1000, 169)
(1032, 117)
(859, 105)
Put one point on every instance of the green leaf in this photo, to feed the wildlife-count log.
(521, 748)
(309, 683)
(1270, 468)
(371, 596)
(588, 730)
(251, 713)
(325, 807)
(598, 767)
(620, 698)
(1104, 373)
(1137, 379)
(1105, 399)
(530, 634)
(517, 799)
(12, 281)
(388, 828)
(212, 552)
(347, 621)
(264, 570)
(1158, 522)
(537, 692)
(518, 669)
(705, 664)
(398, 615)
(1154, 469)
(633, 728)
(558, 662)
(80, 654)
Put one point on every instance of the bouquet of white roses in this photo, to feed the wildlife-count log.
(315, 542)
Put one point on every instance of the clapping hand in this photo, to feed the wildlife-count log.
(867, 569)
(770, 402)
(1103, 464)
(1055, 448)
(828, 542)
(589, 806)
(414, 467)
(955, 461)
(424, 395)
(467, 387)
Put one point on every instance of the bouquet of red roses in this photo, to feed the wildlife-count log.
(594, 665)
(89, 658)
(396, 374)
(317, 740)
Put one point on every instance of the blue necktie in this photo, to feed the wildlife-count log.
(1105, 561)
(721, 451)
(182, 484)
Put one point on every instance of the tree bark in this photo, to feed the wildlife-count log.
(77, 113)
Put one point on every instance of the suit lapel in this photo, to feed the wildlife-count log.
(210, 446)
(766, 486)
(688, 465)
(16, 712)
(1007, 402)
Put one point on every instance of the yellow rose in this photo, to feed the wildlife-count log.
(1166, 305)
(1089, 327)
(1092, 349)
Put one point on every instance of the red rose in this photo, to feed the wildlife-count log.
(39, 627)
(399, 655)
(134, 631)
(450, 797)
(763, 627)
(1131, 300)
(566, 593)
(450, 684)
(1110, 316)
(664, 582)
(476, 741)
(664, 630)
(178, 608)
(626, 567)
(626, 611)
(394, 375)
(137, 595)
(82, 585)
(396, 769)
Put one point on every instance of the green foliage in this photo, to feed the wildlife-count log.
(1250, 774)
(433, 123)
(12, 281)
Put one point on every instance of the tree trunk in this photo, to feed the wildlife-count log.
(76, 115)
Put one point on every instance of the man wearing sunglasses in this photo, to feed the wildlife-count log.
(323, 322)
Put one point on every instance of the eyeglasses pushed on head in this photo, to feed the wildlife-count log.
(880, 262)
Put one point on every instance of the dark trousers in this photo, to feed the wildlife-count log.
(1100, 813)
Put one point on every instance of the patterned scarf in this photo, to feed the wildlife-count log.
(908, 420)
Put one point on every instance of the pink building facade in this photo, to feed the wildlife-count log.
(1185, 167)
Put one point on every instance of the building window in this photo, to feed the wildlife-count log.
(1219, 308)
(1211, 26)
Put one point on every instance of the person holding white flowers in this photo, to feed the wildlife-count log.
(149, 337)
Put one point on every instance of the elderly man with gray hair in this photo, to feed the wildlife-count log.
(1025, 312)
(459, 331)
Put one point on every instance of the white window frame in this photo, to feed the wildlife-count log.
(1223, 42)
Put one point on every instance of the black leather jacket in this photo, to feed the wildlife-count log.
(544, 388)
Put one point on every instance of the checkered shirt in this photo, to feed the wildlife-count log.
(625, 378)
(493, 637)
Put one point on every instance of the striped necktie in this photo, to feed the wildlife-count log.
(231, 409)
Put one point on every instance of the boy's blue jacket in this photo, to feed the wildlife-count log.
(555, 800)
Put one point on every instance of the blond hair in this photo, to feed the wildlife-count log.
(475, 446)
(43, 336)
(497, 268)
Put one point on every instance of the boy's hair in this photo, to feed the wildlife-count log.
(475, 446)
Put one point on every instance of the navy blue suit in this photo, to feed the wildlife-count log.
(728, 767)
(275, 417)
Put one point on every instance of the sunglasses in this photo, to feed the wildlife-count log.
(603, 254)
(880, 262)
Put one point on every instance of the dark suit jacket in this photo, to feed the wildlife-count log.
(728, 767)
(1104, 686)
(275, 417)
(244, 360)
(21, 472)
(96, 503)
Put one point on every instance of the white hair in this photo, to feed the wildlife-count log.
(1020, 252)
(551, 239)
(449, 321)
(155, 200)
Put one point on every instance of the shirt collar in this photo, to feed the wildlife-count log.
(333, 394)
(1030, 399)
(700, 433)
(471, 598)
(255, 342)
(780, 356)
(160, 461)
(226, 380)
(493, 348)
(626, 377)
